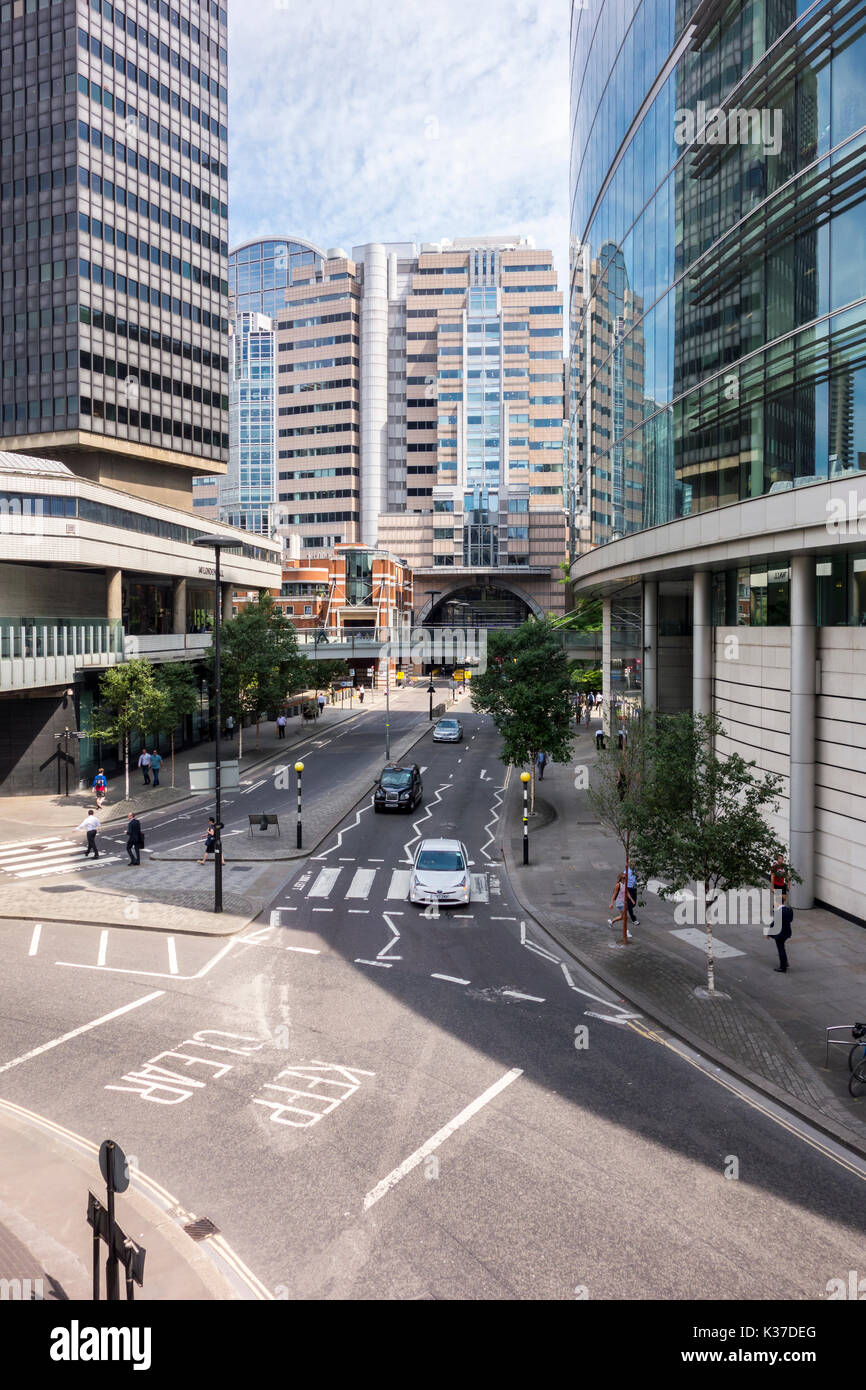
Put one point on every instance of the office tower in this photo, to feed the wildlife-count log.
(481, 518)
(247, 492)
(718, 386)
(113, 252)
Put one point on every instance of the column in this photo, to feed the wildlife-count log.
(650, 645)
(605, 664)
(178, 625)
(114, 595)
(802, 789)
(702, 643)
(227, 596)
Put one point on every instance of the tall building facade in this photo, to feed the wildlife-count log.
(248, 490)
(718, 385)
(479, 511)
(113, 251)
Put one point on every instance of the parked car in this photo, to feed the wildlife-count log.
(447, 731)
(399, 788)
(440, 873)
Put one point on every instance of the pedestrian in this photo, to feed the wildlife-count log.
(320, 701)
(90, 825)
(599, 740)
(281, 726)
(155, 765)
(209, 838)
(230, 726)
(588, 710)
(779, 880)
(144, 764)
(782, 919)
(621, 737)
(100, 788)
(361, 694)
(134, 838)
(541, 760)
(619, 900)
(631, 894)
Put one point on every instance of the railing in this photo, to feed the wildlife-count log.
(48, 651)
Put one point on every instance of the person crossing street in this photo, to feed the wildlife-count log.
(90, 825)
(134, 839)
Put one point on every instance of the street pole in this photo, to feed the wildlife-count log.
(299, 768)
(430, 691)
(388, 707)
(112, 1283)
(217, 843)
(524, 777)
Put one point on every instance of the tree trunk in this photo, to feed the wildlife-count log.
(711, 967)
(258, 720)
(532, 786)
(126, 765)
(240, 735)
(172, 759)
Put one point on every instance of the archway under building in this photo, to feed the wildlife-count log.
(479, 605)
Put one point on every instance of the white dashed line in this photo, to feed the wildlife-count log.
(452, 979)
(34, 940)
(515, 994)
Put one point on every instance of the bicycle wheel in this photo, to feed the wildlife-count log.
(857, 1054)
(857, 1080)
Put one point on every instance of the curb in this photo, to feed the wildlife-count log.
(817, 1119)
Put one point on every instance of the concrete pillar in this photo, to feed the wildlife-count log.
(702, 643)
(605, 664)
(114, 595)
(650, 645)
(179, 616)
(803, 696)
(226, 600)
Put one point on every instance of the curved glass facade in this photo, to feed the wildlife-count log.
(259, 272)
(718, 253)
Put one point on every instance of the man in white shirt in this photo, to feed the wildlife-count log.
(90, 825)
(144, 764)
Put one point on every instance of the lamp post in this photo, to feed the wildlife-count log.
(432, 594)
(431, 690)
(525, 779)
(217, 543)
(299, 768)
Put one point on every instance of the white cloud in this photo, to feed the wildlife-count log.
(399, 120)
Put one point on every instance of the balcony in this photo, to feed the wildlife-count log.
(37, 652)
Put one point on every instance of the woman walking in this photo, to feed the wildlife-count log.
(209, 838)
(618, 901)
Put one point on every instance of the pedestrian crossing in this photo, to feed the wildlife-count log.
(53, 855)
(359, 884)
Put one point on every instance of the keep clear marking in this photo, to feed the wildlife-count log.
(439, 1138)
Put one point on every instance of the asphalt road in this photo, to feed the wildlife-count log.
(370, 1102)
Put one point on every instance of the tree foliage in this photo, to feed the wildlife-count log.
(616, 793)
(178, 691)
(527, 691)
(260, 661)
(129, 701)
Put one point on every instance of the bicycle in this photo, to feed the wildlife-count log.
(857, 1060)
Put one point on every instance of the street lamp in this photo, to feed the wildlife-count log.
(431, 689)
(217, 544)
(525, 779)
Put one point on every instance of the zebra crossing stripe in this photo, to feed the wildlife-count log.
(361, 884)
(399, 885)
(325, 880)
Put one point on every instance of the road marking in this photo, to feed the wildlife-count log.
(361, 884)
(302, 950)
(322, 909)
(375, 861)
(34, 940)
(538, 950)
(503, 919)
(439, 1138)
(399, 885)
(622, 1018)
(695, 937)
(464, 916)
(76, 1032)
(103, 947)
(452, 979)
(254, 787)
(172, 956)
(17, 844)
(153, 974)
(347, 859)
(515, 994)
(325, 880)
(341, 833)
(384, 965)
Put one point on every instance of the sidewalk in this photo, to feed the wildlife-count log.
(45, 1175)
(770, 1030)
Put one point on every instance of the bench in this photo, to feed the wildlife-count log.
(263, 820)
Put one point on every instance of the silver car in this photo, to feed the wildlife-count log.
(440, 873)
(448, 731)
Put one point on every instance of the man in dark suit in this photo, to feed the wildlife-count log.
(782, 919)
(134, 838)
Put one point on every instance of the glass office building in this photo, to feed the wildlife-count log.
(261, 271)
(718, 380)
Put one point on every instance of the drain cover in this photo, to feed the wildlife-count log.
(201, 1229)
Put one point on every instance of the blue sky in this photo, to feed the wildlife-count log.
(399, 120)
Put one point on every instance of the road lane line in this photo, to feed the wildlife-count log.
(76, 1032)
(103, 947)
(172, 956)
(384, 964)
(515, 994)
(34, 940)
(439, 1138)
(452, 979)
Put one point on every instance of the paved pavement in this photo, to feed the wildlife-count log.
(766, 1027)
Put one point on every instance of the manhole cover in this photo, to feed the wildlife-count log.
(201, 1229)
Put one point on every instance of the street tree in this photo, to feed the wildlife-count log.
(525, 687)
(703, 818)
(615, 794)
(129, 700)
(260, 662)
(178, 690)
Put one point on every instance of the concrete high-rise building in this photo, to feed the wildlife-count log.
(479, 510)
(718, 387)
(113, 254)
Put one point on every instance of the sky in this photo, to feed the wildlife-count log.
(399, 120)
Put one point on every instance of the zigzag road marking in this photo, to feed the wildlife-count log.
(495, 817)
(341, 833)
(428, 813)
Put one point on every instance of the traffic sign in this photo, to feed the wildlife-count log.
(112, 1160)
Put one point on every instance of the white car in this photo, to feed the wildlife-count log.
(440, 873)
